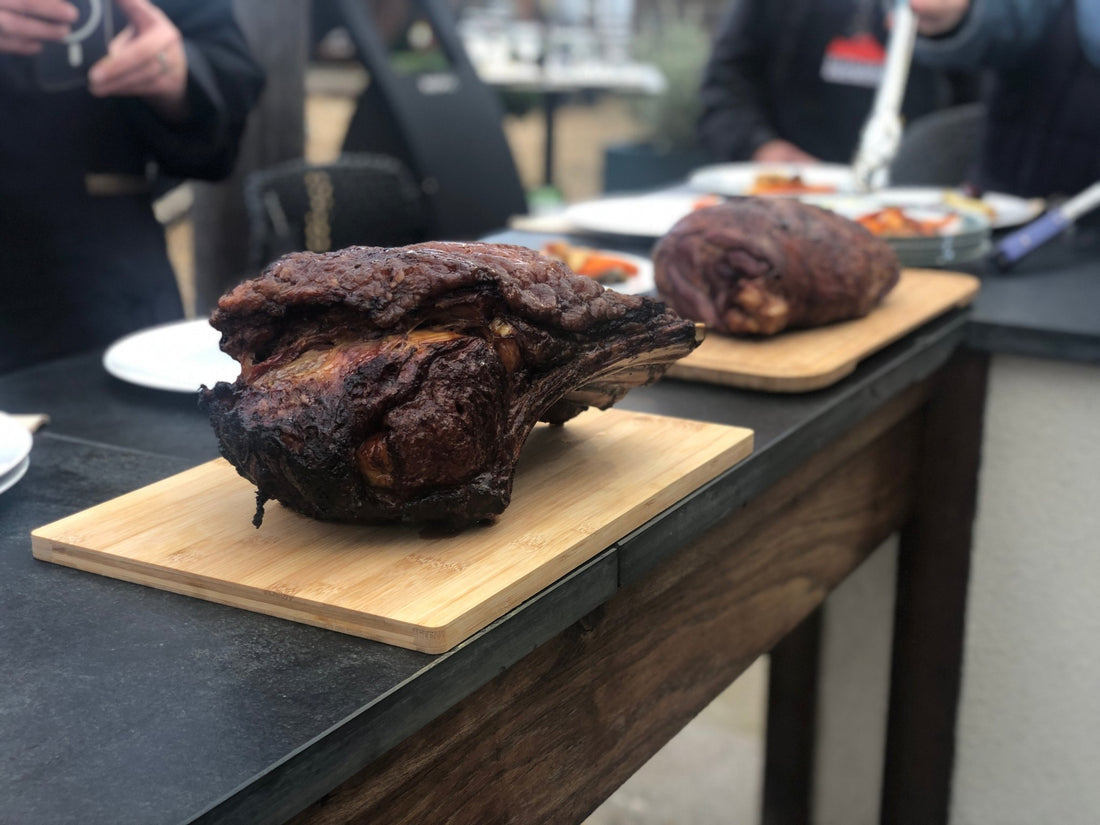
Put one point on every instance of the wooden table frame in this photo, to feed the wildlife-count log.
(553, 736)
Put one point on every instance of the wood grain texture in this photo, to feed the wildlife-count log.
(548, 740)
(791, 729)
(804, 360)
(578, 489)
(933, 583)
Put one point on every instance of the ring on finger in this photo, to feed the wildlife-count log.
(162, 59)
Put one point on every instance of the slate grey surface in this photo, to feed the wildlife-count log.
(1047, 306)
(125, 704)
(84, 401)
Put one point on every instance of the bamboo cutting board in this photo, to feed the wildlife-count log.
(578, 489)
(804, 360)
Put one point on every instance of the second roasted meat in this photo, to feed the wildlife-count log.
(759, 266)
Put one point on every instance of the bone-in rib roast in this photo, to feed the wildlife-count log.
(400, 384)
(761, 265)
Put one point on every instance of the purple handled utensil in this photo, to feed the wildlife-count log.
(1014, 246)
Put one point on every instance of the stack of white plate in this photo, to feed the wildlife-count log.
(967, 238)
(969, 243)
(964, 237)
(15, 450)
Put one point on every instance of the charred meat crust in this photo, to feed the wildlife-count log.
(400, 384)
(761, 265)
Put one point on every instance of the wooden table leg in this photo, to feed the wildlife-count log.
(933, 572)
(791, 726)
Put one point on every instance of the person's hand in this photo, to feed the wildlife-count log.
(781, 151)
(26, 24)
(935, 17)
(146, 59)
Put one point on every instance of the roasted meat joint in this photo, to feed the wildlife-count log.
(759, 266)
(400, 384)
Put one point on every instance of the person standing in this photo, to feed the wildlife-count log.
(1042, 126)
(84, 258)
(794, 81)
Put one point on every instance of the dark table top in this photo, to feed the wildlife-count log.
(1046, 306)
(125, 704)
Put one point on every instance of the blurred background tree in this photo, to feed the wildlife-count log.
(679, 48)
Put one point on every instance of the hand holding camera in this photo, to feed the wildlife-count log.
(74, 42)
(146, 59)
(26, 26)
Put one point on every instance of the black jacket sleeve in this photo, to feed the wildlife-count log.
(224, 82)
(734, 122)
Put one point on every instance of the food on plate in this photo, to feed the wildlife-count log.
(400, 384)
(775, 183)
(960, 200)
(898, 222)
(605, 267)
(703, 201)
(762, 265)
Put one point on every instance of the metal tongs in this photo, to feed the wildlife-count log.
(882, 131)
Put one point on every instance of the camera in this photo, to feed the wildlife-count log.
(64, 65)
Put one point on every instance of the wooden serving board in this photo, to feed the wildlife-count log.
(578, 489)
(804, 360)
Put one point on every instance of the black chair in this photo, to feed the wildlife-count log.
(426, 105)
(359, 199)
(939, 149)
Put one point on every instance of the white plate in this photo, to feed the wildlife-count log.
(638, 284)
(15, 444)
(964, 238)
(641, 216)
(732, 179)
(1007, 210)
(961, 222)
(8, 479)
(178, 357)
